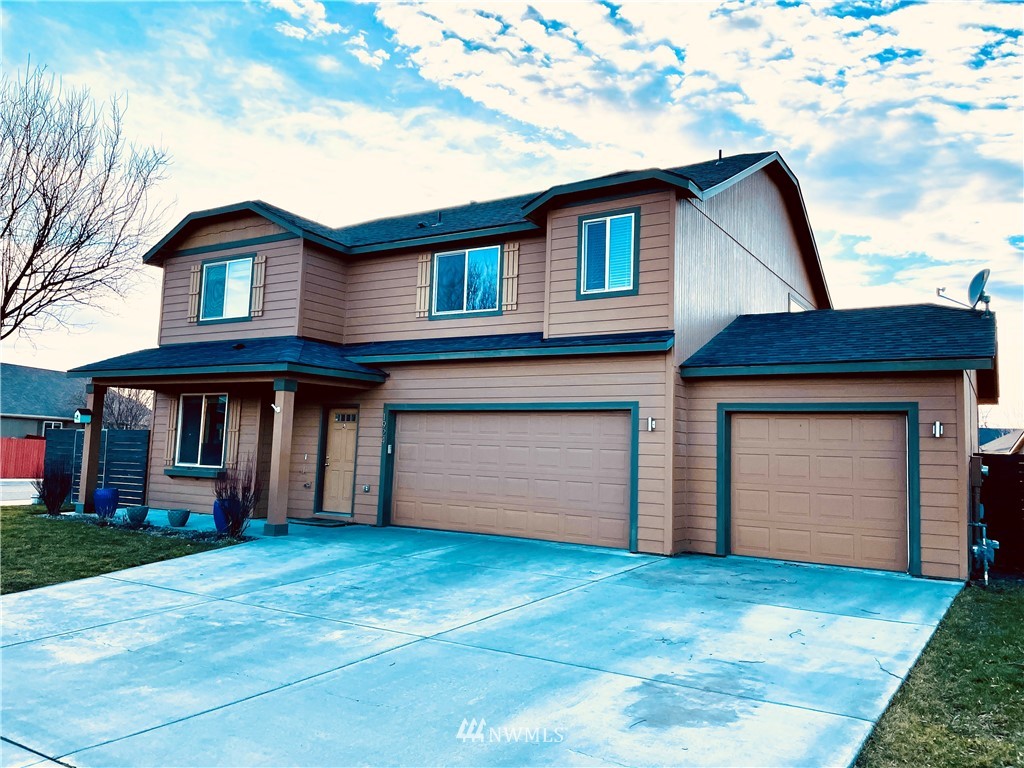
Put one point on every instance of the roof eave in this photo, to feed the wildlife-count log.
(861, 366)
(157, 374)
(469, 234)
(539, 203)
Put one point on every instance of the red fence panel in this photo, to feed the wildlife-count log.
(21, 457)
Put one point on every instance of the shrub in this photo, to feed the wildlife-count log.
(241, 488)
(54, 483)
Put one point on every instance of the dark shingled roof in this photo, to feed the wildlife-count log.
(276, 353)
(26, 391)
(903, 333)
(336, 360)
(508, 213)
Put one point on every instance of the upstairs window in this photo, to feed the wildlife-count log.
(466, 282)
(202, 426)
(227, 288)
(608, 254)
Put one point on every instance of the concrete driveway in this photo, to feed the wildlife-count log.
(363, 646)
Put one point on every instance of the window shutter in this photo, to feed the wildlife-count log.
(423, 285)
(510, 278)
(234, 427)
(195, 279)
(259, 282)
(172, 432)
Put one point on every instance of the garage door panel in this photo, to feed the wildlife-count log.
(561, 475)
(839, 496)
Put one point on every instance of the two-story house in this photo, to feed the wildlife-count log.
(647, 360)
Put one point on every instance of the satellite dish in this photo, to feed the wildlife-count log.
(976, 291)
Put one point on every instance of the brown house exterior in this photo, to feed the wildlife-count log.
(557, 366)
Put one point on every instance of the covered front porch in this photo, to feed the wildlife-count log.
(219, 405)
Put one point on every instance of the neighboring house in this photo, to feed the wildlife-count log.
(1010, 442)
(33, 400)
(623, 361)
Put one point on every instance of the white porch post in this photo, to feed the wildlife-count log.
(280, 457)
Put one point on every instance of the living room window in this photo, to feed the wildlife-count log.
(608, 254)
(202, 426)
(466, 282)
(227, 288)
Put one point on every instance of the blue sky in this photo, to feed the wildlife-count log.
(902, 121)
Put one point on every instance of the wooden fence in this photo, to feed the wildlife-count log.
(124, 455)
(21, 457)
(1002, 493)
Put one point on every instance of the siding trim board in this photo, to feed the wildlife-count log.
(387, 456)
(595, 349)
(249, 243)
(723, 456)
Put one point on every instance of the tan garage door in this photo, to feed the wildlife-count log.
(822, 488)
(560, 476)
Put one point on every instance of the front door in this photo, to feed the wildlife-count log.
(340, 460)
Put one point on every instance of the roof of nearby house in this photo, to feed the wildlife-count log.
(988, 434)
(912, 337)
(1012, 441)
(39, 392)
(292, 354)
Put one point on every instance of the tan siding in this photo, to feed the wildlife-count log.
(621, 378)
(650, 309)
(719, 277)
(323, 307)
(305, 461)
(381, 302)
(280, 308)
(244, 226)
(943, 509)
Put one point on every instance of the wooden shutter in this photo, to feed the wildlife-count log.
(234, 427)
(259, 282)
(171, 447)
(423, 285)
(195, 279)
(510, 279)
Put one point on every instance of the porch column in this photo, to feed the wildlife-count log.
(280, 457)
(94, 396)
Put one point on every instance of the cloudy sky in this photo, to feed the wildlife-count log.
(902, 120)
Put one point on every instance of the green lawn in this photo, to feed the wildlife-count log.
(35, 552)
(963, 703)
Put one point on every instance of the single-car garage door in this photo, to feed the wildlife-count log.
(555, 475)
(822, 488)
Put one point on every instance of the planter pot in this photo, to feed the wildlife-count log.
(105, 501)
(136, 515)
(225, 510)
(178, 518)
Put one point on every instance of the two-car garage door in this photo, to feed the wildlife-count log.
(823, 488)
(555, 475)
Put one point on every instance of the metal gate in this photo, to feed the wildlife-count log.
(124, 456)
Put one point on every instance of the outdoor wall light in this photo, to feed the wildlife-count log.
(937, 429)
(276, 407)
(651, 424)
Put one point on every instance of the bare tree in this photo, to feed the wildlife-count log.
(127, 408)
(74, 201)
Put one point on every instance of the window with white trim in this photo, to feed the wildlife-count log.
(607, 255)
(202, 430)
(466, 281)
(227, 289)
(48, 425)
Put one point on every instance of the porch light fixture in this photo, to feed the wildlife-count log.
(276, 407)
(651, 424)
(937, 429)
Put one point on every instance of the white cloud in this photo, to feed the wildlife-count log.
(359, 48)
(312, 18)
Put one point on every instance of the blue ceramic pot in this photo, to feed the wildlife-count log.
(105, 502)
(225, 510)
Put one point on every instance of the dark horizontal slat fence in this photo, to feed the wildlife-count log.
(124, 454)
